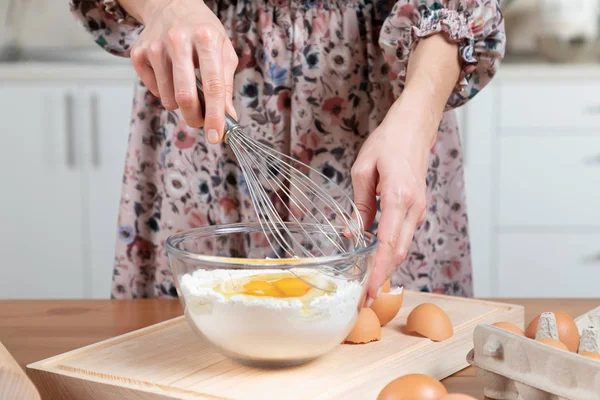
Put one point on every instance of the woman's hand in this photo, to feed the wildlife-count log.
(179, 36)
(393, 164)
(393, 161)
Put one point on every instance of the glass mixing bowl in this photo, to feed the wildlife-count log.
(265, 311)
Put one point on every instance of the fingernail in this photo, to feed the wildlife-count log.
(213, 136)
(369, 302)
(379, 291)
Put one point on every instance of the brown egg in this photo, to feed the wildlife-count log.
(457, 396)
(430, 321)
(413, 387)
(367, 328)
(387, 305)
(386, 286)
(567, 329)
(590, 355)
(554, 343)
(509, 327)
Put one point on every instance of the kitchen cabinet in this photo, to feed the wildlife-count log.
(64, 147)
(532, 171)
(570, 103)
(549, 264)
(109, 117)
(41, 213)
(550, 181)
(476, 124)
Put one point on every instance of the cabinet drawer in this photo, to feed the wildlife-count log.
(548, 265)
(549, 181)
(554, 105)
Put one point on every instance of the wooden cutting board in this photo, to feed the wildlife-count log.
(168, 361)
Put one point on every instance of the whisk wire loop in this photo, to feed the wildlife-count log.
(273, 180)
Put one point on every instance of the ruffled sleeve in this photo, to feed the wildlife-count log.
(112, 28)
(477, 26)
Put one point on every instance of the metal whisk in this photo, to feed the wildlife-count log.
(278, 189)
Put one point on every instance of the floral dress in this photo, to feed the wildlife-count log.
(315, 77)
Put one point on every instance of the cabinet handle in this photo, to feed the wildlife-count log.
(70, 138)
(592, 160)
(95, 139)
(592, 110)
(593, 259)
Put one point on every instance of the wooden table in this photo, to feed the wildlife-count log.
(33, 330)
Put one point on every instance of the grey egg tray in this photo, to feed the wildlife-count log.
(514, 367)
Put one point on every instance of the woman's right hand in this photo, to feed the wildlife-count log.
(178, 37)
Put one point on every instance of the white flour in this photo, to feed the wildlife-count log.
(267, 328)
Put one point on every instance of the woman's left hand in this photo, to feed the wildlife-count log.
(393, 161)
(392, 164)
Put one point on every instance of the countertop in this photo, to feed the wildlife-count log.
(33, 330)
(120, 69)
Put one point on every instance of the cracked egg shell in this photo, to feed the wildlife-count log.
(366, 329)
(411, 387)
(387, 305)
(430, 321)
(509, 327)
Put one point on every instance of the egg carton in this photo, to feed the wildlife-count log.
(514, 367)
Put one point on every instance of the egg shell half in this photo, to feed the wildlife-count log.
(412, 387)
(431, 321)
(457, 396)
(590, 355)
(367, 328)
(387, 305)
(568, 333)
(554, 343)
(509, 327)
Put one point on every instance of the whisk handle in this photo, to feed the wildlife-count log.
(230, 122)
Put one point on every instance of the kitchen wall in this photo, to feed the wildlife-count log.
(531, 141)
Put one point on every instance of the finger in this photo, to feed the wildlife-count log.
(381, 271)
(184, 78)
(394, 207)
(209, 50)
(422, 217)
(413, 217)
(364, 179)
(163, 70)
(406, 237)
(142, 67)
(230, 63)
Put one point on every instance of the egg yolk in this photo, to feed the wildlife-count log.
(279, 285)
(285, 287)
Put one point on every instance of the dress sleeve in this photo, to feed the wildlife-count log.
(112, 28)
(476, 25)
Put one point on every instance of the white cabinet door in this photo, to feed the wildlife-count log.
(550, 105)
(551, 181)
(41, 197)
(549, 265)
(108, 119)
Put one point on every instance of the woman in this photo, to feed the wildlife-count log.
(362, 90)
